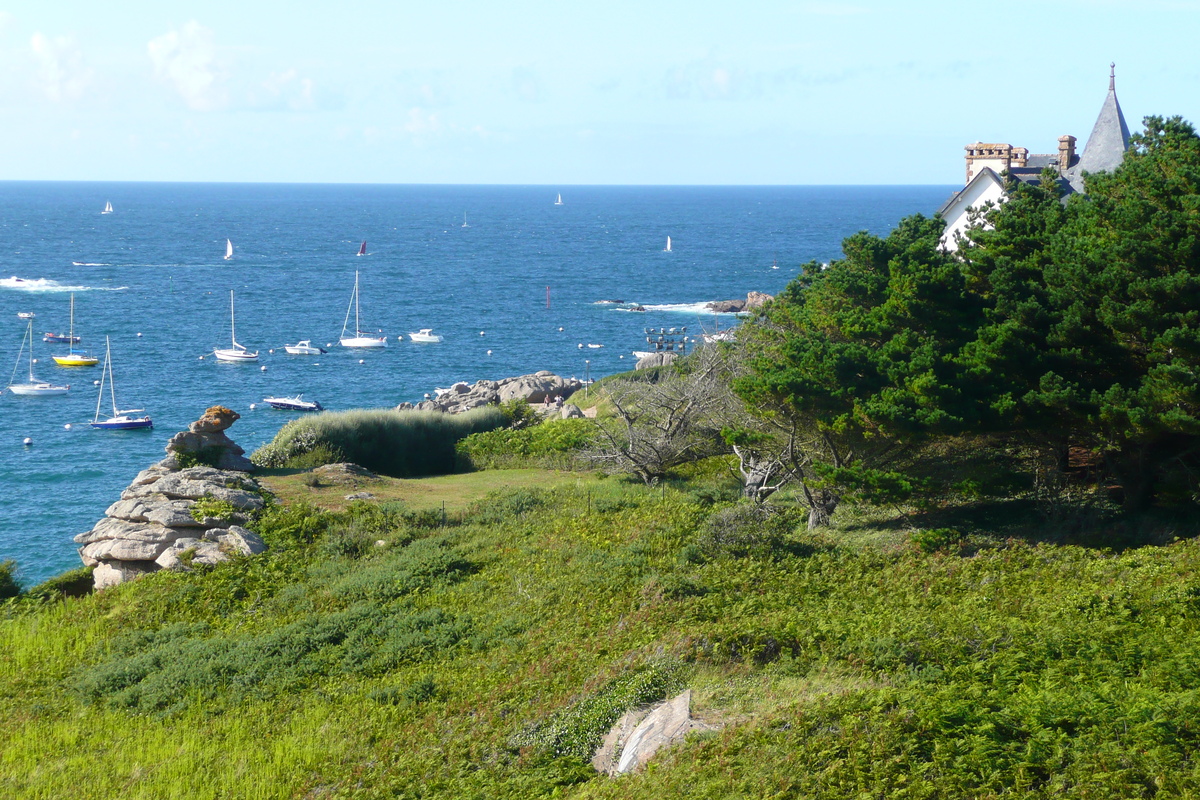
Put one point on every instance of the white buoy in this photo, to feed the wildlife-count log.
(139, 335)
(253, 406)
(28, 442)
(620, 356)
(201, 358)
(481, 333)
(362, 361)
(489, 352)
(272, 352)
(67, 427)
(581, 345)
(263, 368)
(35, 361)
(95, 383)
(560, 327)
(329, 344)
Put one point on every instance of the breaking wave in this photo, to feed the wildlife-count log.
(47, 285)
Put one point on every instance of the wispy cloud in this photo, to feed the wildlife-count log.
(59, 69)
(186, 60)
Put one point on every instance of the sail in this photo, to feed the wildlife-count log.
(668, 247)
(228, 249)
(362, 251)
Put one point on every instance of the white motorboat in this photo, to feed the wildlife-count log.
(119, 420)
(425, 335)
(108, 209)
(33, 387)
(228, 249)
(25, 315)
(238, 352)
(304, 347)
(359, 339)
(297, 403)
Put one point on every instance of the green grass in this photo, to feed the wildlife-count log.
(484, 658)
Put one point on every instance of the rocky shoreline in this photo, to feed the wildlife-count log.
(533, 389)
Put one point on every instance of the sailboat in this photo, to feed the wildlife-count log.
(107, 207)
(237, 352)
(558, 202)
(362, 251)
(465, 225)
(358, 339)
(72, 358)
(120, 420)
(34, 386)
(667, 249)
(228, 249)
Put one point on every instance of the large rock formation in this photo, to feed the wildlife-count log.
(158, 524)
(205, 442)
(655, 360)
(533, 388)
(753, 300)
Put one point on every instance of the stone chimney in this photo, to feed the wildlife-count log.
(1066, 153)
(997, 155)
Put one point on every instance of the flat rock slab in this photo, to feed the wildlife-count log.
(639, 735)
(109, 528)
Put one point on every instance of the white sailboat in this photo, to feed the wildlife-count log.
(359, 339)
(33, 386)
(119, 420)
(237, 352)
(108, 209)
(667, 249)
(465, 225)
(228, 249)
(558, 202)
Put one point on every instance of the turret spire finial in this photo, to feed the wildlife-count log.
(1112, 76)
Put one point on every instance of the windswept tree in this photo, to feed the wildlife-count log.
(857, 363)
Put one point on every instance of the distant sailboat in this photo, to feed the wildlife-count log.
(107, 208)
(120, 420)
(558, 202)
(465, 225)
(667, 249)
(362, 251)
(237, 352)
(228, 249)
(358, 339)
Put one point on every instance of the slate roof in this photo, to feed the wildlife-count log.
(1109, 140)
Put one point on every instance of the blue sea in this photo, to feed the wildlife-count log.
(152, 277)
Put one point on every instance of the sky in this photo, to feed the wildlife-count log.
(567, 93)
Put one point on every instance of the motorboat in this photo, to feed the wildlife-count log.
(73, 357)
(61, 338)
(33, 387)
(119, 420)
(25, 314)
(304, 347)
(425, 335)
(297, 403)
(237, 352)
(359, 339)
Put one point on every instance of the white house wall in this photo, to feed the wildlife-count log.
(979, 191)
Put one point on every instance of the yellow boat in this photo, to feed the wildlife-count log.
(73, 358)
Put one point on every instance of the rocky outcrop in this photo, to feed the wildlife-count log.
(753, 300)
(205, 442)
(655, 360)
(639, 734)
(158, 523)
(533, 388)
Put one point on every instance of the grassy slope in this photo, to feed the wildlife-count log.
(828, 669)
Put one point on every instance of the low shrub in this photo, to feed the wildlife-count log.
(401, 444)
(74, 583)
(747, 530)
(8, 579)
(550, 445)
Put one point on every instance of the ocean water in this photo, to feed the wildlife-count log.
(152, 277)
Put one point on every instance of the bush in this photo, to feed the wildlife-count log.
(747, 530)
(8, 579)
(550, 445)
(401, 444)
(75, 583)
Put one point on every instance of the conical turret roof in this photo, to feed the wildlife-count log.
(1109, 140)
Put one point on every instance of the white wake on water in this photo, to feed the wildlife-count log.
(686, 308)
(47, 285)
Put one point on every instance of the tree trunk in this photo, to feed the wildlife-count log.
(1134, 468)
(822, 504)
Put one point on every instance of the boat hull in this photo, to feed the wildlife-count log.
(38, 389)
(292, 404)
(61, 338)
(363, 341)
(235, 356)
(123, 424)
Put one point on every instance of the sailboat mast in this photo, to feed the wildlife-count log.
(112, 386)
(232, 324)
(357, 327)
(103, 375)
